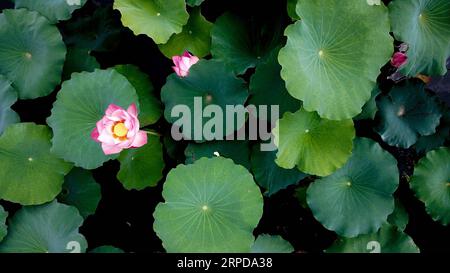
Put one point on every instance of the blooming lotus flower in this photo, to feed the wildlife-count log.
(399, 59)
(119, 129)
(183, 63)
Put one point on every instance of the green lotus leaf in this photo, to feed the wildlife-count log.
(267, 87)
(291, 7)
(81, 191)
(387, 240)
(31, 52)
(49, 228)
(208, 211)
(221, 90)
(54, 10)
(267, 173)
(271, 244)
(158, 19)
(300, 195)
(8, 97)
(428, 143)
(142, 167)
(195, 37)
(81, 102)
(78, 60)
(243, 43)
(238, 151)
(3, 227)
(431, 183)
(370, 108)
(100, 31)
(357, 198)
(106, 249)
(406, 113)
(30, 174)
(425, 26)
(317, 146)
(150, 106)
(399, 217)
(334, 54)
(194, 3)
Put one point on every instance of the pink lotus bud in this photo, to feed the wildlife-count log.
(119, 129)
(183, 63)
(399, 59)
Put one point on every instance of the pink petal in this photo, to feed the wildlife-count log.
(194, 60)
(95, 135)
(186, 54)
(106, 137)
(177, 71)
(110, 149)
(112, 108)
(132, 110)
(140, 139)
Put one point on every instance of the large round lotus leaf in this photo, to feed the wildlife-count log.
(29, 173)
(106, 249)
(271, 244)
(49, 228)
(267, 87)
(238, 151)
(387, 240)
(242, 43)
(8, 97)
(82, 102)
(150, 106)
(431, 183)
(427, 143)
(399, 217)
(78, 60)
(81, 191)
(405, 113)
(54, 10)
(142, 167)
(32, 52)
(425, 26)
(334, 54)
(317, 146)
(158, 19)
(3, 227)
(194, 3)
(291, 9)
(222, 89)
(370, 108)
(356, 199)
(212, 205)
(269, 175)
(195, 37)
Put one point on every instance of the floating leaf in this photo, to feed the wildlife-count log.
(49, 228)
(54, 10)
(267, 87)
(31, 52)
(357, 198)
(81, 191)
(399, 217)
(142, 167)
(431, 183)
(3, 227)
(271, 244)
(425, 26)
(267, 173)
(243, 43)
(78, 60)
(106, 249)
(158, 19)
(30, 174)
(194, 3)
(221, 90)
(317, 146)
(150, 106)
(195, 37)
(427, 143)
(406, 113)
(291, 7)
(334, 54)
(238, 151)
(387, 240)
(81, 103)
(370, 108)
(208, 211)
(8, 97)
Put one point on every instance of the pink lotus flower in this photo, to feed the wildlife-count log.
(119, 129)
(183, 63)
(399, 59)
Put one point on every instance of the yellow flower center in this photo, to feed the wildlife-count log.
(120, 130)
